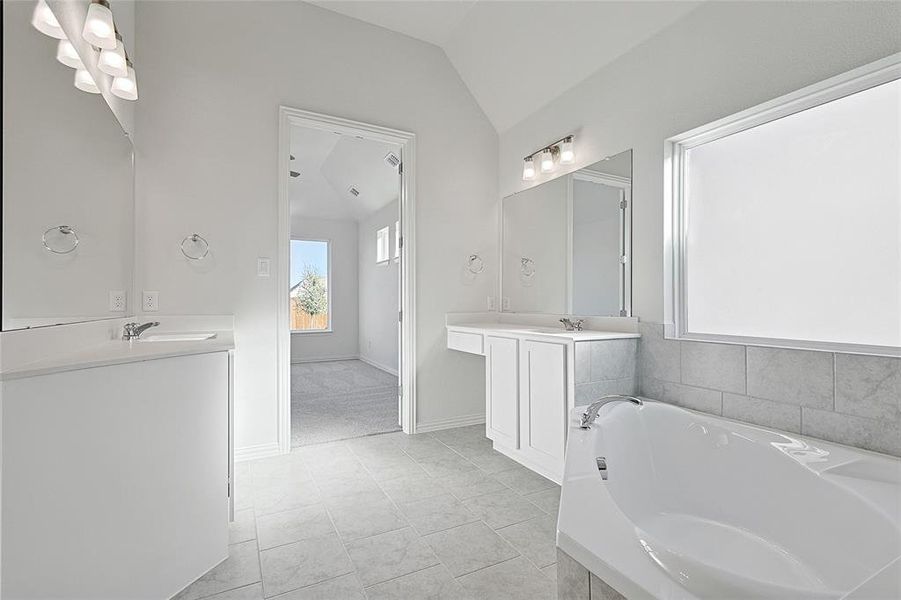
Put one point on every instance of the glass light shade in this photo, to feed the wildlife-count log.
(85, 82)
(112, 62)
(65, 53)
(528, 169)
(546, 160)
(126, 87)
(99, 30)
(45, 21)
(567, 154)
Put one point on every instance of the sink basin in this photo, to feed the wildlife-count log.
(177, 337)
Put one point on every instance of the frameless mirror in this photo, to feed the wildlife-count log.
(565, 244)
(67, 189)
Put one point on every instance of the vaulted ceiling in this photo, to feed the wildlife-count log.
(517, 56)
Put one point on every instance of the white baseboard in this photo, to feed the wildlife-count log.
(258, 451)
(379, 366)
(450, 423)
(300, 361)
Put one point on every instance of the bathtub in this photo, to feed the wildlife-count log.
(696, 506)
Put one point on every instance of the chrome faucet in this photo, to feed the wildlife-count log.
(132, 331)
(591, 413)
(570, 325)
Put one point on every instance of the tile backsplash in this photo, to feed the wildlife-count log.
(846, 398)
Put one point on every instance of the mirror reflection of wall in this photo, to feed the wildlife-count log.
(66, 162)
(563, 243)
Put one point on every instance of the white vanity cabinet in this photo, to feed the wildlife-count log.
(535, 375)
(502, 390)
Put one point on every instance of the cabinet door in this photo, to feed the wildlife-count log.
(544, 398)
(502, 390)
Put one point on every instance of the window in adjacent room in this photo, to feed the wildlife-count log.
(381, 245)
(397, 240)
(310, 284)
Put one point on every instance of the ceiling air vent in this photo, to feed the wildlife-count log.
(353, 191)
(294, 173)
(392, 160)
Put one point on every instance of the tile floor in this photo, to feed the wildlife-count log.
(438, 516)
(341, 399)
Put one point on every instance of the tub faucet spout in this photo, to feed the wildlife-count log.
(591, 413)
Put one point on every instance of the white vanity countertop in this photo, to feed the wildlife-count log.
(533, 331)
(115, 352)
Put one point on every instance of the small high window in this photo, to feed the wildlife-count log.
(381, 245)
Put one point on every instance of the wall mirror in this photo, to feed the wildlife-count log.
(68, 199)
(566, 244)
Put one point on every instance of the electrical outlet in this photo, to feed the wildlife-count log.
(117, 301)
(505, 303)
(492, 303)
(151, 301)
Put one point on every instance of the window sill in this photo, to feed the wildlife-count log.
(308, 331)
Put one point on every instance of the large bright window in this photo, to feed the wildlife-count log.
(786, 221)
(310, 286)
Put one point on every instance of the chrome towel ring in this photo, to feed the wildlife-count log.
(54, 237)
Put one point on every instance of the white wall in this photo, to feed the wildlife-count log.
(378, 292)
(720, 59)
(207, 162)
(341, 341)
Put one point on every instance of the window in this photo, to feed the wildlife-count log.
(786, 220)
(381, 245)
(397, 240)
(310, 284)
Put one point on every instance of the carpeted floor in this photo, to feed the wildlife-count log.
(339, 400)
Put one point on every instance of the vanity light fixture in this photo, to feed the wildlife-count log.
(561, 151)
(45, 21)
(98, 29)
(547, 160)
(85, 82)
(528, 168)
(112, 62)
(567, 154)
(126, 87)
(65, 53)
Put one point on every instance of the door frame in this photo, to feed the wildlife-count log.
(289, 117)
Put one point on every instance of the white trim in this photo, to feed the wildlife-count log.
(258, 451)
(603, 178)
(476, 419)
(320, 359)
(676, 204)
(378, 365)
(288, 117)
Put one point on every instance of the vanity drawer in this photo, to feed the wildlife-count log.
(465, 342)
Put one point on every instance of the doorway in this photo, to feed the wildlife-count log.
(346, 347)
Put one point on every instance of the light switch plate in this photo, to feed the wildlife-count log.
(492, 303)
(151, 301)
(262, 267)
(118, 301)
(505, 303)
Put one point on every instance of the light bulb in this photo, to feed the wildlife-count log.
(528, 168)
(567, 154)
(126, 87)
(66, 54)
(45, 21)
(112, 62)
(99, 30)
(85, 82)
(546, 160)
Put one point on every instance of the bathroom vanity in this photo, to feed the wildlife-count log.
(535, 373)
(116, 458)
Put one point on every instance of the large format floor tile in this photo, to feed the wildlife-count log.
(433, 516)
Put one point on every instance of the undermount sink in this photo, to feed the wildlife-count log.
(177, 337)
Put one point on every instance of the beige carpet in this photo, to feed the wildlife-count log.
(339, 400)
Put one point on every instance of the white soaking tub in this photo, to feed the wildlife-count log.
(696, 506)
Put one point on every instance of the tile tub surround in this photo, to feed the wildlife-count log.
(844, 398)
(606, 367)
(392, 516)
